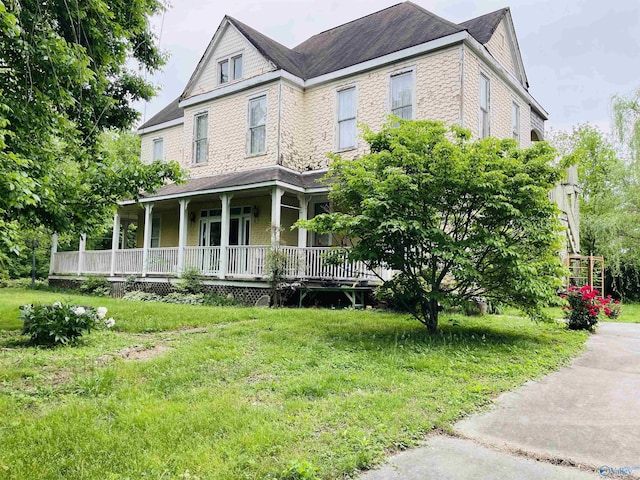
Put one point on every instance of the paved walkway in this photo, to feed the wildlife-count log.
(587, 415)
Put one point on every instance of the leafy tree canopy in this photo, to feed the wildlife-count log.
(70, 70)
(456, 217)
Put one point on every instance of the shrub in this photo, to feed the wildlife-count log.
(585, 306)
(26, 283)
(214, 300)
(96, 285)
(139, 296)
(190, 281)
(184, 298)
(61, 323)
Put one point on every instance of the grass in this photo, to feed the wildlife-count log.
(254, 394)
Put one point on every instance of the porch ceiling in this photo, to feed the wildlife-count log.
(307, 182)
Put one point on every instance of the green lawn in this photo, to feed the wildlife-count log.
(254, 394)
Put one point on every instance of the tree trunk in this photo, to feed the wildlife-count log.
(432, 323)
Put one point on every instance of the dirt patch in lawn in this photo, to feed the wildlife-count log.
(136, 353)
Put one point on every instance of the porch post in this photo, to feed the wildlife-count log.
(148, 210)
(81, 248)
(303, 202)
(115, 240)
(225, 199)
(276, 213)
(302, 215)
(54, 250)
(182, 233)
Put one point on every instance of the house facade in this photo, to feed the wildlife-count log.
(256, 121)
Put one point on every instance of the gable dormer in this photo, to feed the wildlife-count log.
(496, 32)
(230, 57)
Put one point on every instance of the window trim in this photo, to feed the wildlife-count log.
(153, 149)
(481, 111)
(229, 59)
(250, 98)
(336, 143)
(518, 125)
(396, 73)
(194, 163)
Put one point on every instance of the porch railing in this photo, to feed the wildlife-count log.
(243, 262)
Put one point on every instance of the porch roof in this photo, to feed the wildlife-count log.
(305, 182)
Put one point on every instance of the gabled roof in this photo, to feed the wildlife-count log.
(395, 28)
(168, 113)
(481, 28)
(281, 56)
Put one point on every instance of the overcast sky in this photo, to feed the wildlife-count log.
(577, 53)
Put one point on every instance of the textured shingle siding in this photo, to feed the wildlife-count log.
(292, 132)
(501, 99)
(537, 123)
(230, 43)
(437, 97)
(172, 141)
(499, 46)
(227, 150)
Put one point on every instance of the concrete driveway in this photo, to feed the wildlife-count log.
(585, 417)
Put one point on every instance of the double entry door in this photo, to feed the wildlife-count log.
(211, 235)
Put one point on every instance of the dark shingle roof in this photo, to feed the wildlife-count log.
(395, 28)
(168, 113)
(481, 28)
(275, 52)
(243, 179)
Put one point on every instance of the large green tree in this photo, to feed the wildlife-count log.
(457, 218)
(69, 71)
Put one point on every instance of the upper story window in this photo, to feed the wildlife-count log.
(230, 69)
(200, 137)
(158, 149)
(515, 121)
(402, 95)
(485, 90)
(258, 125)
(155, 230)
(347, 118)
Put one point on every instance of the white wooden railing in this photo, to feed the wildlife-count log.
(248, 261)
(205, 259)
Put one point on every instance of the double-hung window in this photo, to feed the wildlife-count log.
(200, 137)
(230, 69)
(515, 121)
(158, 149)
(347, 118)
(402, 95)
(485, 122)
(257, 125)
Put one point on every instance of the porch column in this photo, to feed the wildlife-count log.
(225, 199)
(81, 248)
(148, 219)
(303, 201)
(276, 213)
(54, 250)
(182, 233)
(115, 240)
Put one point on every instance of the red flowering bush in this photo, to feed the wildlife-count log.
(585, 305)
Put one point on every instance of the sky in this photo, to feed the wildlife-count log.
(577, 53)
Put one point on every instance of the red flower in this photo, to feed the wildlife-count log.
(607, 311)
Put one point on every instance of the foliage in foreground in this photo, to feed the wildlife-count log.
(70, 71)
(61, 323)
(266, 394)
(457, 218)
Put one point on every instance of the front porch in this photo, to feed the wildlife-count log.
(225, 227)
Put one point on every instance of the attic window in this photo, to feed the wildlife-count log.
(230, 69)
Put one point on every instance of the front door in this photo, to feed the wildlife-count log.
(210, 236)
